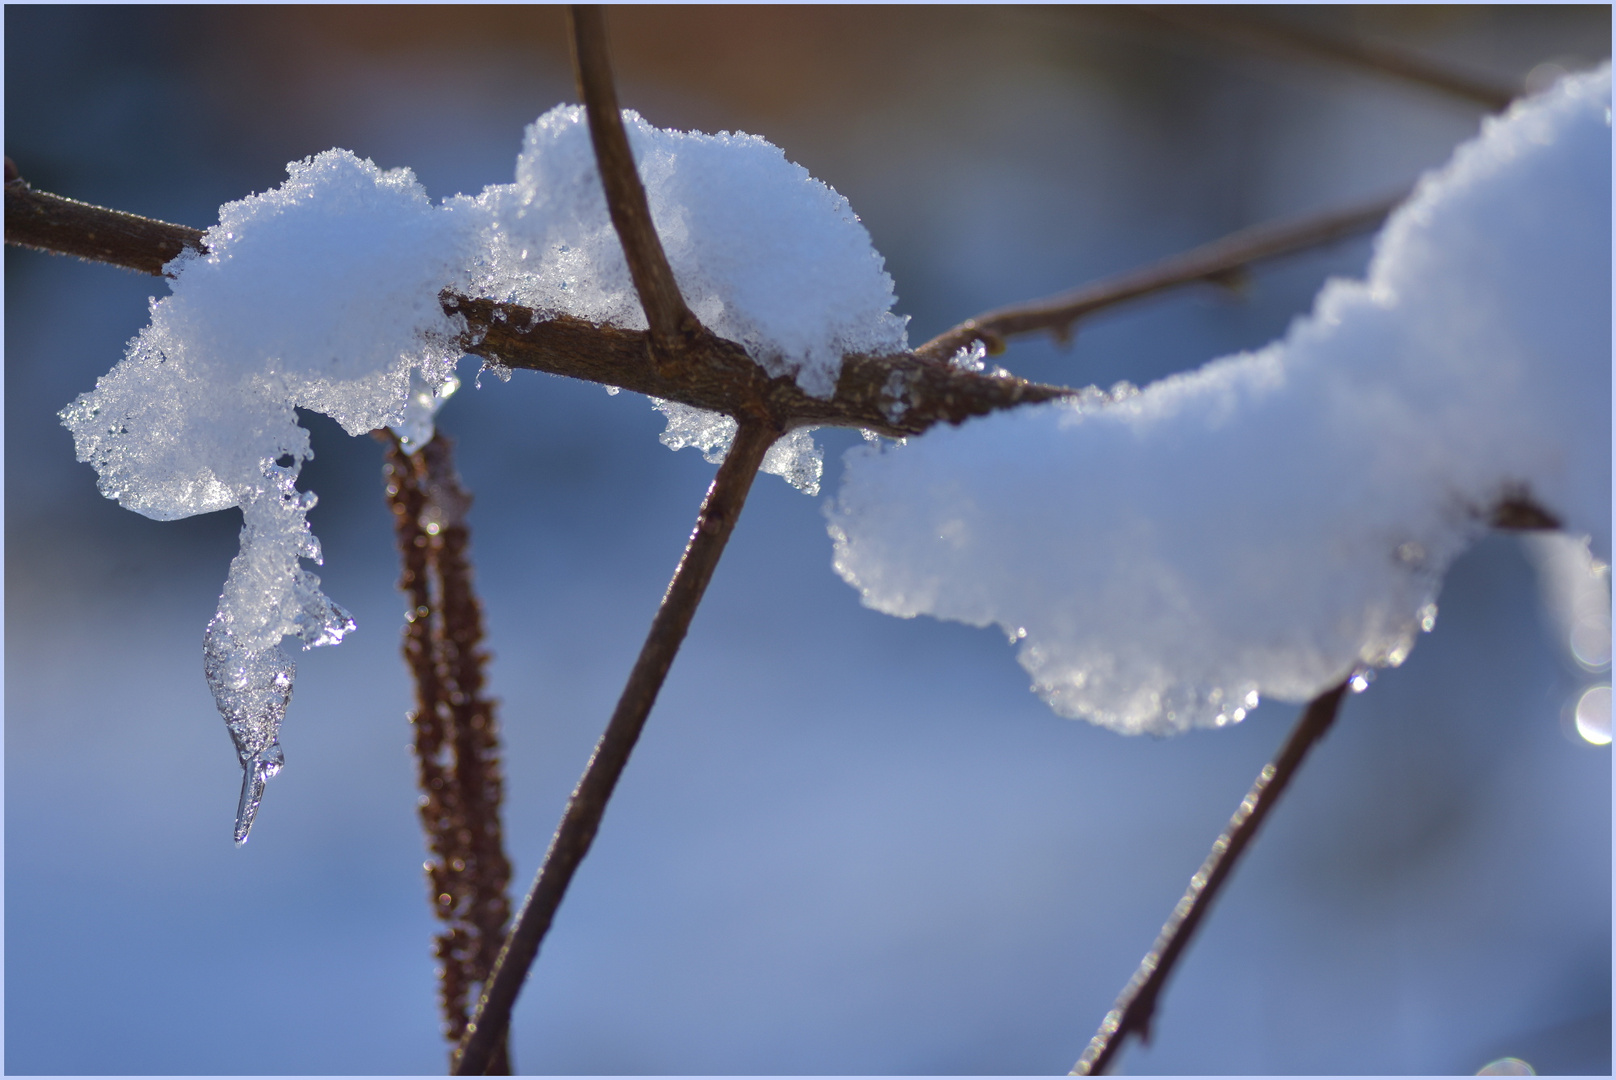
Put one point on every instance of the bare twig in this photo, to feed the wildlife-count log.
(456, 735)
(582, 817)
(1288, 41)
(1137, 1003)
(1209, 262)
(671, 321)
(68, 227)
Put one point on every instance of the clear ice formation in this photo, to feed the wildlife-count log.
(322, 294)
(795, 457)
(1279, 520)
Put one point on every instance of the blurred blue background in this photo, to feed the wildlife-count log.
(847, 843)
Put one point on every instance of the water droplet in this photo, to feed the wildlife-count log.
(1360, 680)
(1593, 715)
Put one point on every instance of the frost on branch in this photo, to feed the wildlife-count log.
(323, 294)
(1270, 522)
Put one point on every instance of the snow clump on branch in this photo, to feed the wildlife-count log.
(1267, 524)
(323, 294)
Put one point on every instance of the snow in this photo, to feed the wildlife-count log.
(764, 254)
(1277, 520)
(1576, 592)
(322, 294)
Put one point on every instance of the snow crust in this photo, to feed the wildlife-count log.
(322, 294)
(1268, 524)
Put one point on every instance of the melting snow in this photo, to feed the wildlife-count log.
(322, 294)
(1268, 524)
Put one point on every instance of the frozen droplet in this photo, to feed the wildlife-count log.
(254, 776)
(494, 368)
(1360, 680)
(1593, 715)
(614, 390)
(1427, 616)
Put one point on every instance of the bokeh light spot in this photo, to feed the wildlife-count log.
(1593, 715)
(1507, 1066)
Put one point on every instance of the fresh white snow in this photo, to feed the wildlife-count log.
(322, 294)
(1276, 520)
(764, 254)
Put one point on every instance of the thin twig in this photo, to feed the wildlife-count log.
(719, 511)
(672, 323)
(69, 227)
(1137, 1003)
(456, 733)
(1209, 262)
(1276, 38)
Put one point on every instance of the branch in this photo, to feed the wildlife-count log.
(68, 227)
(672, 323)
(1269, 36)
(456, 733)
(1137, 1003)
(1213, 262)
(582, 817)
(897, 395)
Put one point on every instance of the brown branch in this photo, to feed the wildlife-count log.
(1210, 262)
(456, 736)
(68, 227)
(719, 511)
(1295, 42)
(1137, 1003)
(673, 325)
(896, 395)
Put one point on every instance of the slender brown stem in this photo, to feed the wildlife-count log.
(68, 227)
(719, 511)
(455, 727)
(1210, 262)
(1137, 1003)
(1289, 41)
(671, 322)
